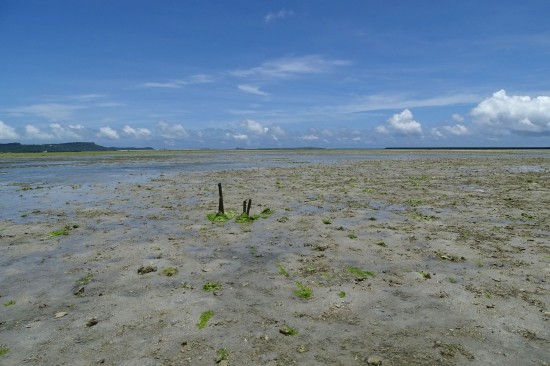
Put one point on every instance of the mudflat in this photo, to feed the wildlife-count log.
(428, 261)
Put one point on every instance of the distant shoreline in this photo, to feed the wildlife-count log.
(93, 147)
(16, 147)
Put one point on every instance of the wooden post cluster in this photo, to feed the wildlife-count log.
(246, 208)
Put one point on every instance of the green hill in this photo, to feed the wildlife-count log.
(66, 147)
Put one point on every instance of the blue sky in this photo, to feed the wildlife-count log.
(226, 74)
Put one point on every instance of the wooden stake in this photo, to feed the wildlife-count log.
(244, 206)
(220, 206)
(249, 204)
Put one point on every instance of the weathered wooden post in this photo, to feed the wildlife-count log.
(244, 206)
(249, 204)
(220, 206)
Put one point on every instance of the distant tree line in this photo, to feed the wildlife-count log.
(16, 147)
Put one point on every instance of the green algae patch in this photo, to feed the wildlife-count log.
(212, 286)
(221, 355)
(288, 331)
(265, 213)
(359, 273)
(243, 218)
(205, 317)
(169, 272)
(85, 280)
(303, 291)
(64, 231)
(220, 216)
(282, 270)
(3, 351)
(9, 303)
(419, 216)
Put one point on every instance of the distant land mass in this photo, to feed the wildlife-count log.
(16, 147)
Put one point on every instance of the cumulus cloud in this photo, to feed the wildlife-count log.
(251, 89)
(237, 136)
(277, 131)
(7, 132)
(402, 123)
(457, 117)
(171, 131)
(136, 132)
(254, 127)
(457, 129)
(514, 113)
(109, 133)
(281, 14)
(70, 132)
(34, 132)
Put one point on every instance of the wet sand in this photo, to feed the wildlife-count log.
(431, 261)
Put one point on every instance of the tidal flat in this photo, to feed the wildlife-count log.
(367, 257)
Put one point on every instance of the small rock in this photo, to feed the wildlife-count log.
(60, 314)
(206, 269)
(147, 269)
(79, 291)
(374, 360)
(223, 363)
(91, 322)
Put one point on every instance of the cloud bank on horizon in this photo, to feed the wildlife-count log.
(310, 74)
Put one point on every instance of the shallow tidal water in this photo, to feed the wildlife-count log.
(53, 181)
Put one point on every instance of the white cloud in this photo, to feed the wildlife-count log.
(505, 113)
(173, 84)
(179, 83)
(254, 127)
(109, 133)
(70, 132)
(457, 129)
(310, 138)
(51, 111)
(457, 117)
(34, 132)
(289, 66)
(237, 136)
(251, 89)
(7, 132)
(86, 97)
(277, 131)
(387, 101)
(136, 132)
(402, 123)
(171, 131)
(281, 14)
